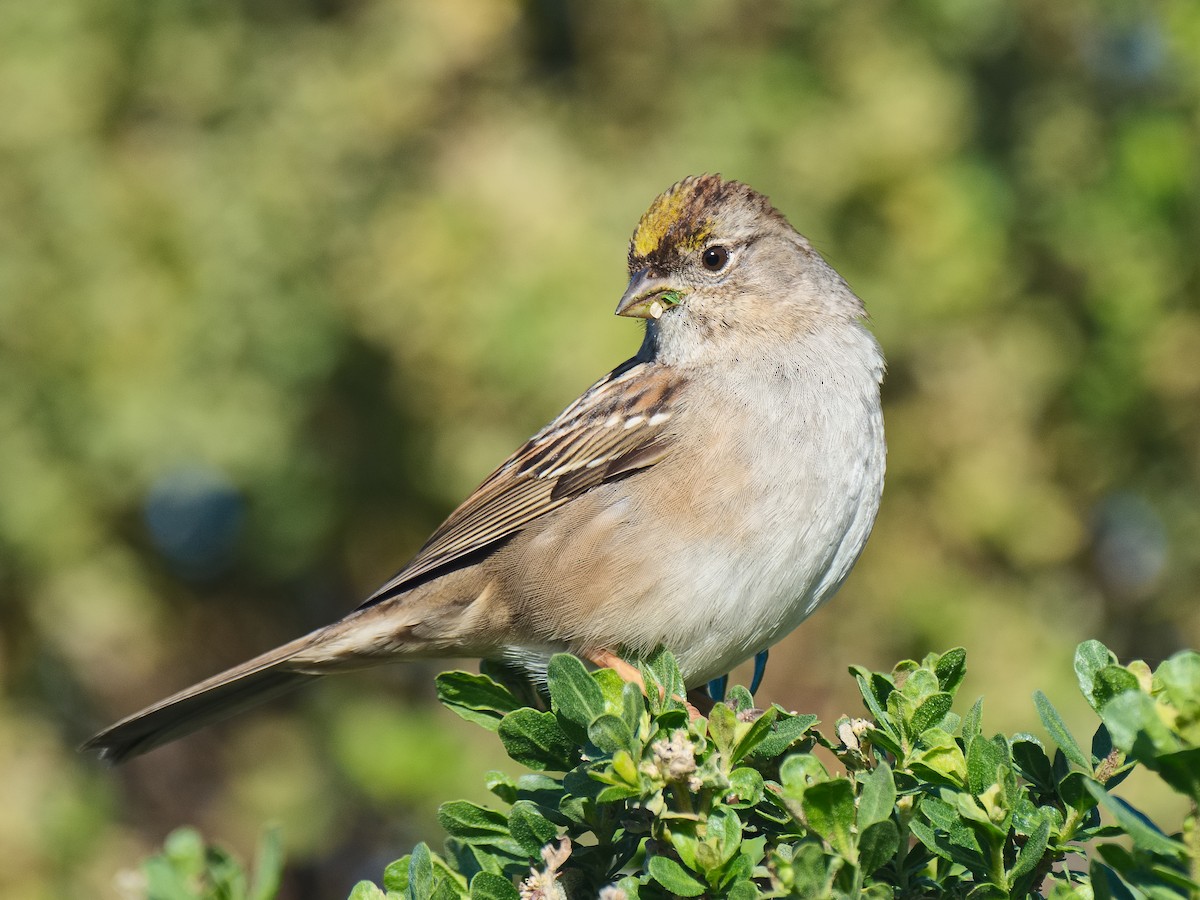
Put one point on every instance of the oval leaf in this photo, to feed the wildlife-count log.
(536, 740)
(950, 669)
(877, 844)
(530, 828)
(476, 698)
(1058, 730)
(930, 713)
(674, 877)
(610, 733)
(829, 809)
(878, 798)
(574, 694)
(489, 886)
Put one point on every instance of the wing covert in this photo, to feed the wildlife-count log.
(618, 426)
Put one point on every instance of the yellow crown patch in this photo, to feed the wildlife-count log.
(674, 212)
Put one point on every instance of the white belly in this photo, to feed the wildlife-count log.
(778, 535)
(792, 535)
(744, 530)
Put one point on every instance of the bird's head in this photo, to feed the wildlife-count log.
(710, 253)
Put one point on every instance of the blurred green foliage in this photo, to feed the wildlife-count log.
(279, 283)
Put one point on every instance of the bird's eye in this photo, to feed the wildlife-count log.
(715, 258)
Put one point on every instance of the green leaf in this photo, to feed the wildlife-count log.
(740, 698)
(633, 706)
(933, 842)
(1150, 879)
(753, 736)
(722, 726)
(1134, 723)
(878, 797)
(473, 858)
(610, 733)
(612, 687)
(268, 866)
(472, 823)
(1181, 771)
(673, 877)
(476, 698)
(1058, 731)
(575, 810)
(1111, 681)
(395, 876)
(919, 684)
(1032, 852)
(420, 872)
(184, 849)
(683, 840)
(787, 730)
(624, 768)
(939, 758)
(976, 811)
(165, 882)
(745, 787)
(1105, 883)
(542, 789)
(365, 890)
(929, 713)
(875, 689)
(615, 792)
(829, 811)
(1161, 873)
(516, 679)
(985, 758)
(884, 739)
(1141, 830)
(877, 844)
(1073, 792)
(536, 740)
(574, 694)
(530, 828)
(1032, 762)
(953, 846)
(1090, 658)
(959, 835)
(941, 813)
(812, 871)
(724, 833)
(1102, 744)
(800, 772)
(742, 890)
(489, 886)
(950, 669)
(972, 723)
(501, 785)
(1177, 681)
(661, 669)
(631, 886)
(754, 849)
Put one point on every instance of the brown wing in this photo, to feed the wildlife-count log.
(618, 426)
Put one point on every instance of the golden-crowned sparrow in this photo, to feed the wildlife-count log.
(706, 495)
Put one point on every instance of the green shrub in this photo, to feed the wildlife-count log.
(629, 797)
(188, 870)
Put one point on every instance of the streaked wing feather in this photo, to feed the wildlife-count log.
(618, 426)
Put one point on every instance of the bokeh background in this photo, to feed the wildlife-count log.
(281, 281)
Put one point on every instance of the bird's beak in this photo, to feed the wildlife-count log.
(648, 296)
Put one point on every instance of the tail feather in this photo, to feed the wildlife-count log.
(213, 700)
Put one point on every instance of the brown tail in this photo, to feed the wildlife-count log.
(220, 697)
